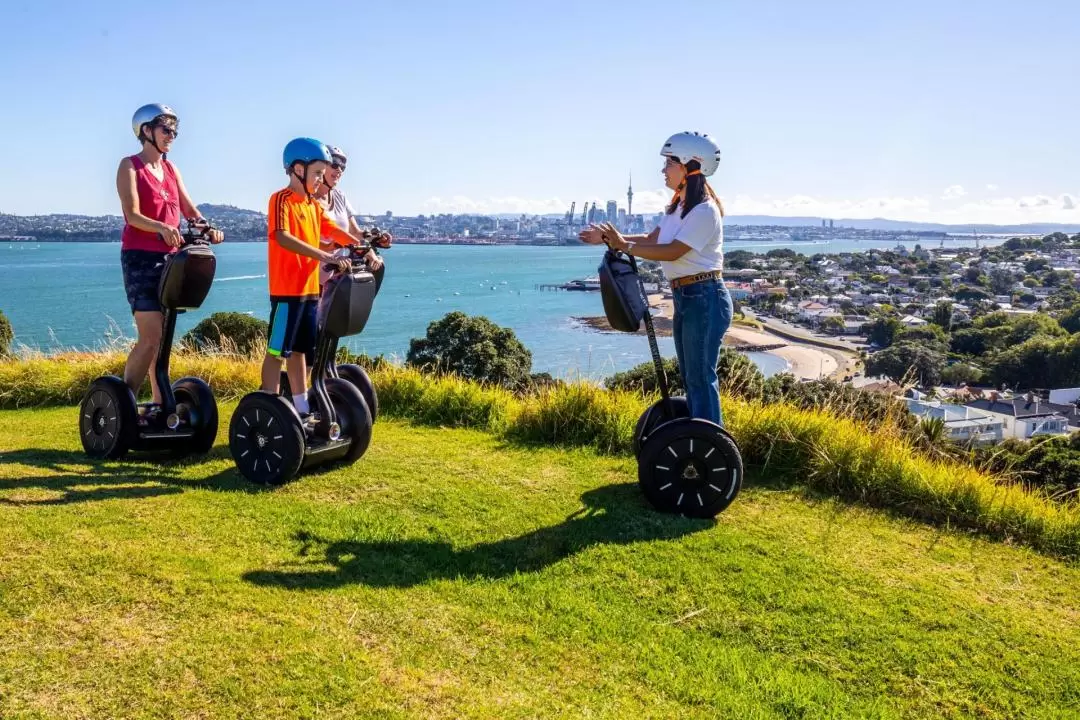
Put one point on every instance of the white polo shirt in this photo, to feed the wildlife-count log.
(703, 231)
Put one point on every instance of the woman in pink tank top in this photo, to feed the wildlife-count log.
(154, 200)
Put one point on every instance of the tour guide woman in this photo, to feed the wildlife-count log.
(689, 243)
(154, 199)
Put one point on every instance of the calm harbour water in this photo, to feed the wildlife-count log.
(64, 295)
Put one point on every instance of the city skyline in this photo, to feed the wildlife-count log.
(922, 113)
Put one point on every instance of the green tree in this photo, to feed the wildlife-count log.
(943, 315)
(1070, 321)
(782, 254)
(882, 331)
(973, 275)
(6, 334)
(228, 331)
(930, 335)
(970, 294)
(922, 286)
(961, 373)
(908, 360)
(832, 324)
(1001, 281)
(1035, 265)
(738, 259)
(474, 348)
(878, 278)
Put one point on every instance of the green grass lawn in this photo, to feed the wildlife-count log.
(450, 575)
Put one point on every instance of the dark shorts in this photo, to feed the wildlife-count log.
(142, 273)
(292, 326)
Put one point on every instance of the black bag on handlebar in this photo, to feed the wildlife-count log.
(622, 293)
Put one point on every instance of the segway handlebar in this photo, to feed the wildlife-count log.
(374, 240)
(197, 232)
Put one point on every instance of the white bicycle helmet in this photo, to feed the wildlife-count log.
(148, 114)
(687, 146)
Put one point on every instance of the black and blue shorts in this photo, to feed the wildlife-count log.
(142, 274)
(292, 326)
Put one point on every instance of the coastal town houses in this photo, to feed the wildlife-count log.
(1028, 416)
(963, 425)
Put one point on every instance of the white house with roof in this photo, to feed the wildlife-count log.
(1025, 418)
(963, 425)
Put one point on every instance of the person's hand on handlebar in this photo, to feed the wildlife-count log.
(171, 236)
(340, 264)
(382, 241)
(374, 262)
(215, 236)
(613, 237)
(591, 235)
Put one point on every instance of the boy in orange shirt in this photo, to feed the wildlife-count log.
(296, 223)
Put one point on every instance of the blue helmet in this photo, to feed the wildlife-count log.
(304, 150)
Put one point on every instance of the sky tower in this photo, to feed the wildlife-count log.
(630, 197)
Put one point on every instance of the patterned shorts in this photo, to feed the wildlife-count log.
(142, 273)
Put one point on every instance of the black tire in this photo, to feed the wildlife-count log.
(195, 399)
(359, 377)
(655, 416)
(266, 439)
(352, 415)
(690, 467)
(108, 419)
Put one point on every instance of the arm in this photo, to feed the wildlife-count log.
(667, 252)
(298, 246)
(329, 229)
(187, 206)
(129, 201)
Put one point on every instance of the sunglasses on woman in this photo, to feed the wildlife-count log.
(171, 132)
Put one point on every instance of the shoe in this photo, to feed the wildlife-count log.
(149, 415)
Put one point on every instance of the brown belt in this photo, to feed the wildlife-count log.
(700, 277)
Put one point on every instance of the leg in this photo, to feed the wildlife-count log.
(271, 373)
(277, 345)
(677, 336)
(148, 324)
(142, 274)
(719, 314)
(705, 319)
(297, 368)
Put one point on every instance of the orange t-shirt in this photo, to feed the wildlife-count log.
(292, 275)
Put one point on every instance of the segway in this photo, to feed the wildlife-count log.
(351, 371)
(187, 418)
(687, 466)
(268, 439)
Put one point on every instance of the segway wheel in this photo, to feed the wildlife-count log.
(195, 400)
(690, 467)
(359, 377)
(352, 414)
(108, 419)
(266, 439)
(655, 416)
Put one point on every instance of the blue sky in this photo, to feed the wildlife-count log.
(945, 110)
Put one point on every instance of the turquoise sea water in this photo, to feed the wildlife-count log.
(62, 295)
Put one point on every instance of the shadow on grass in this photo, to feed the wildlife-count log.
(613, 514)
(139, 476)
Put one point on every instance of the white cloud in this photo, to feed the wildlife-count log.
(953, 192)
(1067, 202)
(992, 187)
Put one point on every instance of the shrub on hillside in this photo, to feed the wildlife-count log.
(738, 374)
(6, 334)
(473, 348)
(228, 331)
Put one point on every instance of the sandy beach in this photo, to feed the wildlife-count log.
(807, 362)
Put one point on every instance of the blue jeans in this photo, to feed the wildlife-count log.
(703, 313)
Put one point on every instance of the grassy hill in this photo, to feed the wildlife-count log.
(457, 573)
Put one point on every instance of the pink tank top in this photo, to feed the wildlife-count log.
(158, 200)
